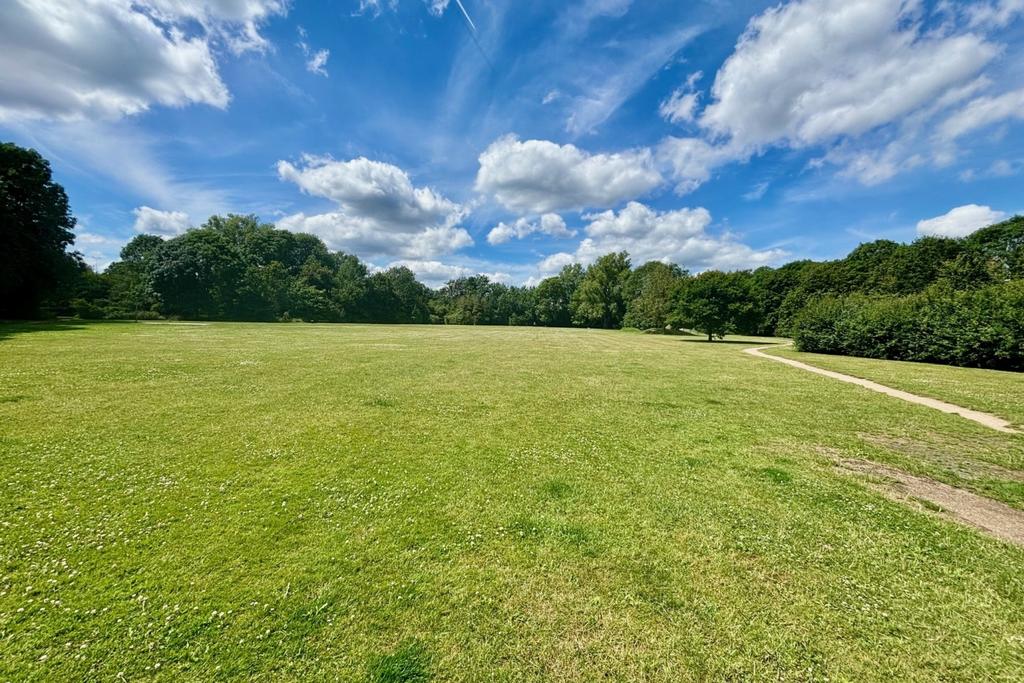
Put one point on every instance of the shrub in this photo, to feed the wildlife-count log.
(975, 328)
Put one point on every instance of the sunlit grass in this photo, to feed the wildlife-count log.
(415, 503)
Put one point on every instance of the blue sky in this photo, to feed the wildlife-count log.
(512, 137)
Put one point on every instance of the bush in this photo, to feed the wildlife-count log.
(976, 328)
(87, 310)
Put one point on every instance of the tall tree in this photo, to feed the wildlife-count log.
(131, 287)
(553, 296)
(600, 298)
(651, 295)
(714, 303)
(36, 227)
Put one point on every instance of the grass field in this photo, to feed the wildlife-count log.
(991, 391)
(275, 502)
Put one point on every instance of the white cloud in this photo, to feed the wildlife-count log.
(678, 236)
(164, 223)
(981, 112)
(681, 106)
(236, 21)
(538, 176)
(550, 224)
(374, 7)
(437, 7)
(317, 62)
(551, 97)
(864, 80)
(692, 160)
(960, 222)
(555, 262)
(99, 251)
(808, 72)
(994, 14)
(98, 58)
(74, 59)
(435, 274)
(380, 213)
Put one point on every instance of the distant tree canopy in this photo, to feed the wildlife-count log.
(238, 268)
(35, 230)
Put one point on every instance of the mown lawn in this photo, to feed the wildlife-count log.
(999, 393)
(275, 502)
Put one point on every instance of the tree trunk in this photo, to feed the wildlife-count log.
(709, 337)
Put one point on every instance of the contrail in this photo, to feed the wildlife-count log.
(466, 14)
(473, 34)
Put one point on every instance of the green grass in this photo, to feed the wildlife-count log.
(990, 391)
(285, 502)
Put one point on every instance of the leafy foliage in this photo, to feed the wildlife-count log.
(35, 229)
(715, 303)
(975, 328)
(600, 300)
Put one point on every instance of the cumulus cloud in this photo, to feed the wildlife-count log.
(68, 59)
(538, 176)
(380, 213)
(808, 72)
(960, 222)
(555, 262)
(678, 236)
(866, 80)
(550, 224)
(164, 223)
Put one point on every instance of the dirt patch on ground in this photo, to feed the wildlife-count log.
(989, 516)
(946, 455)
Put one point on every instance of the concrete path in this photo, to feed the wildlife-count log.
(986, 419)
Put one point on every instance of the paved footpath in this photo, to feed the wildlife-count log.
(986, 419)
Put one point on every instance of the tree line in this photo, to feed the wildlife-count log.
(238, 268)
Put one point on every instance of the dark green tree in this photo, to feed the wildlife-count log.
(36, 227)
(651, 292)
(714, 303)
(600, 299)
(130, 279)
(553, 297)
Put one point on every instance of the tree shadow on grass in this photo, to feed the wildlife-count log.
(9, 329)
(744, 342)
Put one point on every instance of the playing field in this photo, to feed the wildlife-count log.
(275, 502)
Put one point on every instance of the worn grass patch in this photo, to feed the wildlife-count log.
(332, 502)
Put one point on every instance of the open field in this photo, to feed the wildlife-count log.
(991, 391)
(196, 502)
